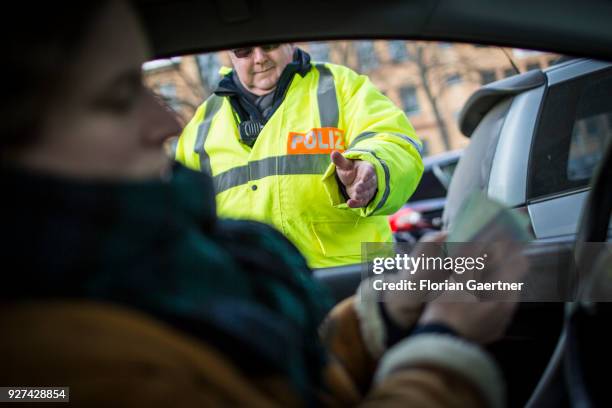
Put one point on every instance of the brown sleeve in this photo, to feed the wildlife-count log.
(111, 356)
(425, 370)
(424, 387)
(341, 336)
(436, 370)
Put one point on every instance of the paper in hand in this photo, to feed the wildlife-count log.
(483, 219)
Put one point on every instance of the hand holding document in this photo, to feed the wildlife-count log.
(483, 219)
(484, 228)
(477, 294)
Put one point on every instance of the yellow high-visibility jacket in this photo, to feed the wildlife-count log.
(287, 179)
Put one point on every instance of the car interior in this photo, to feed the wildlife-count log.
(552, 351)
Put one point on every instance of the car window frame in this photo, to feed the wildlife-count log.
(542, 136)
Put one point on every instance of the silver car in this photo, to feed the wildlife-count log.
(536, 139)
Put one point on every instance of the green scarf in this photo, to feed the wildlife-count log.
(158, 246)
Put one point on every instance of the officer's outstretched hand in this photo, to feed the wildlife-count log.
(358, 177)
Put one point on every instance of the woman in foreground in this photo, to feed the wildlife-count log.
(121, 283)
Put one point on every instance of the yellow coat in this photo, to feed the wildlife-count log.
(287, 180)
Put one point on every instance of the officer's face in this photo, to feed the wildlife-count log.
(260, 69)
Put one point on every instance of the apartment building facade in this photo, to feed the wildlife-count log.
(430, 80)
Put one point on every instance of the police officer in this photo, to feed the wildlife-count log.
(313, 149)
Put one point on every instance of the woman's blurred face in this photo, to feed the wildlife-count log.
(105, 124)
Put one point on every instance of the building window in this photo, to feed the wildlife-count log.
(453, 79)
(366, 54)
(397, 51)
(487, 76)
(209, 66)
(167, 91)
(532, 66)
(425, 149)
(409, 99)
(508, 72)
(558, 60)
(319, 51)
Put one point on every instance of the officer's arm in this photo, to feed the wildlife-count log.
(379, 132)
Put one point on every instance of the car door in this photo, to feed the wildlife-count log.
(575, 126)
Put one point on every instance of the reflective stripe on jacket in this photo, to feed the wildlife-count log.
(287, 180)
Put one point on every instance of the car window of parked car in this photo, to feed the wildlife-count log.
(429, 187)
(592, 130)
(574, 129)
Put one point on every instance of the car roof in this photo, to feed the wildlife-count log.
(565, 26)
(485, 98)
(481, 101)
